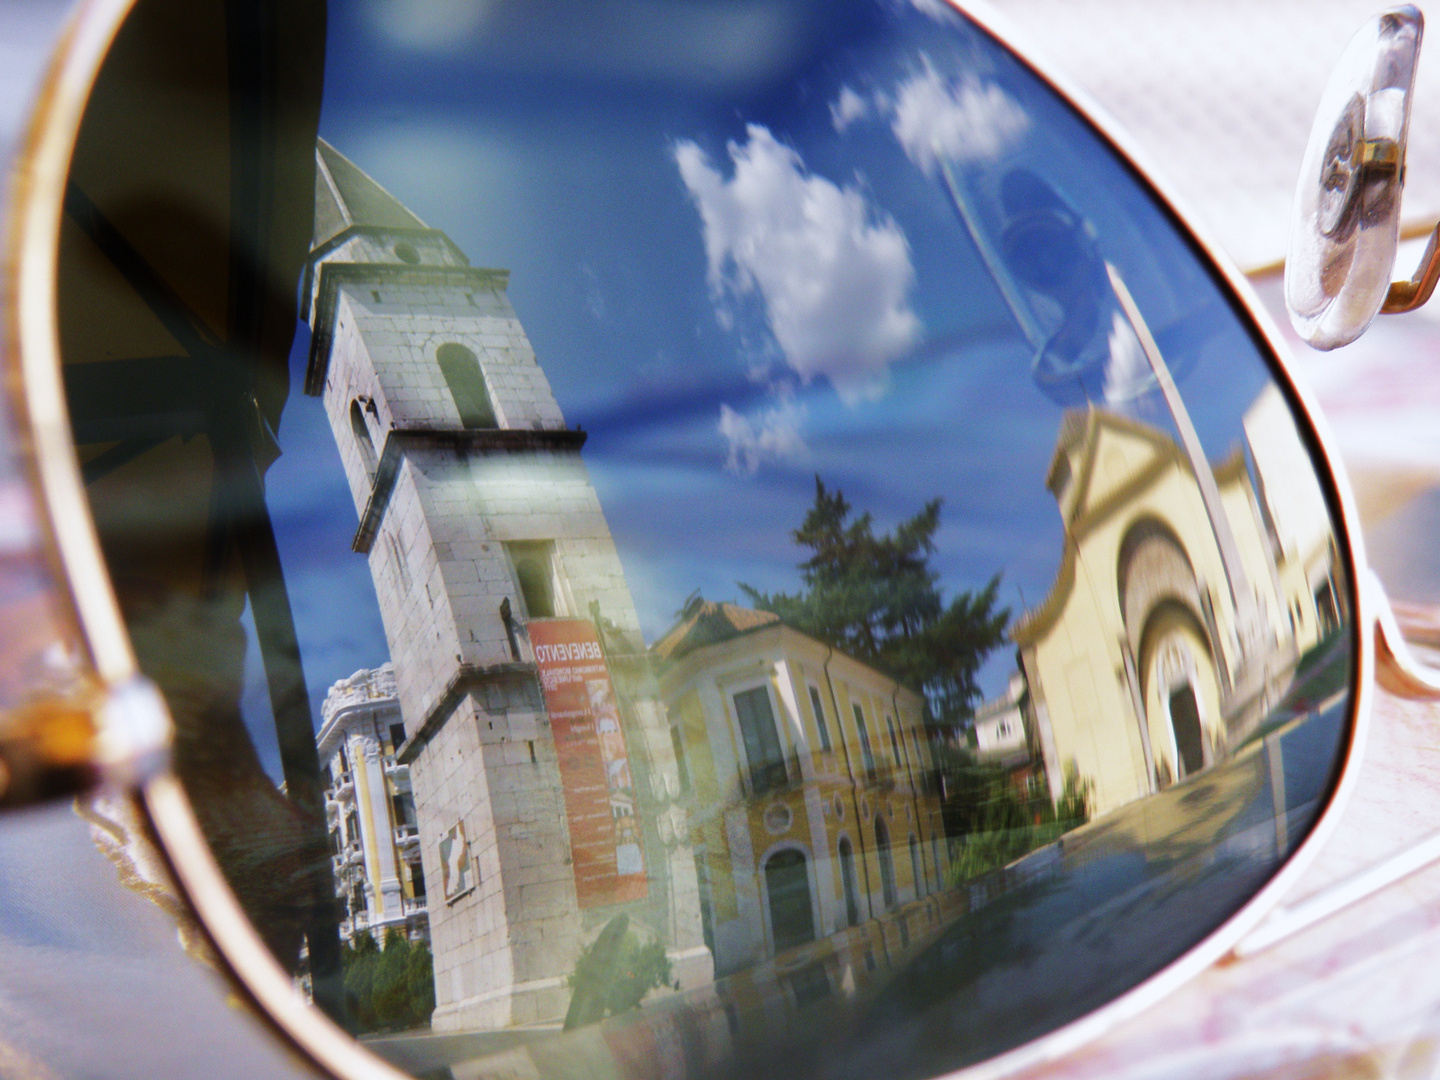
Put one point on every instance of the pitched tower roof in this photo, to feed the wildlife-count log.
(346, 196)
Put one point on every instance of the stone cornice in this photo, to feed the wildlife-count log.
(400, 441)
(335, 275)
(376, 232)
(466, 678)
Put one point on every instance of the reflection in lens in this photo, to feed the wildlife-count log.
(846, 597)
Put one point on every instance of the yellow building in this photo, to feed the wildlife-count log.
(809, 782)
(1154, 655)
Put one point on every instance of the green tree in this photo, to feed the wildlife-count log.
(877, 598)
(1000, 823)
(388, 990)
(420, 977)
(614, 973)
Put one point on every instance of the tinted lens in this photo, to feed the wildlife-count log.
(770, 553)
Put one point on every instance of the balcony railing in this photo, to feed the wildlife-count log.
(768, 776)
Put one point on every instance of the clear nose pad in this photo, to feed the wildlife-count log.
(1346, 220)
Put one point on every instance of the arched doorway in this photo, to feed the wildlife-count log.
(847, 882)
(1181, 690)
(887, 862)
(787, 881)
(1169, 634)
(1185, 726)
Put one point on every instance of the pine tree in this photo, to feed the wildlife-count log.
(877, 598)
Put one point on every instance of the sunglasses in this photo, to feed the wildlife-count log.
(674, 540)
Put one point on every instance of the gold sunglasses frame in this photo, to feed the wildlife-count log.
(33, 368)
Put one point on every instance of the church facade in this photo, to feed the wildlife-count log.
(1138, 667)
(544, 776)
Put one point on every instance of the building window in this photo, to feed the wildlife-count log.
(894, 742)
(1327, 610)
(467, 386)
(678, 742)
(866, 753)
(787, 880)
(820, 724)
(534, 563)
(847, 882)
(762, 741)
(707, 912)
(917, 872)
(887, 863)
(397, 737)
(417, 881)
(404, 808)
(363, 439)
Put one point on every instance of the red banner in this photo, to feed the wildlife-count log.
(605, 845)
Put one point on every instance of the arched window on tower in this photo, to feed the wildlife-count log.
(467, 385)
(534, 563)
(363, 439)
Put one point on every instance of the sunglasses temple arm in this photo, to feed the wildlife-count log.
(1401, 673)
(1408, 295)
(1285, 922)
(1398, 669)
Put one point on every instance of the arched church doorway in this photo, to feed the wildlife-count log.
(1181, 690)
(1185, 725)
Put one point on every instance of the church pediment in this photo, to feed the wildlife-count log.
(1108, 458)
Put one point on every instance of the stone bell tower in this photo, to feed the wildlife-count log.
(516, 645)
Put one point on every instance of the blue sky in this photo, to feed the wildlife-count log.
(739, 269)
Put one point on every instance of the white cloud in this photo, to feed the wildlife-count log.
(833, 273)
(772, 434)
(965, 121)
(848, 108)
(939, 10)
(1127, 371)
(434, 26)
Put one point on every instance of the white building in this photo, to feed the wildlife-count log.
(374, 842)
(1000, 726)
